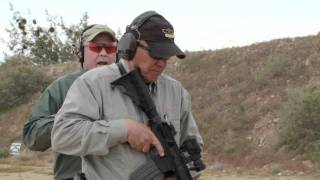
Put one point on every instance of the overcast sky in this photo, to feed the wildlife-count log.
(199, 25)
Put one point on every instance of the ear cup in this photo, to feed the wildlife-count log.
(81, 46)
(81, 50)
(127, 46)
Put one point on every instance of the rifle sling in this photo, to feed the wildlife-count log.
(121, 69)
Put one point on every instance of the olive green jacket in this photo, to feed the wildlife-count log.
(37, 131)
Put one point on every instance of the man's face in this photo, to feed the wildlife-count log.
(100, 51)
(150, 68)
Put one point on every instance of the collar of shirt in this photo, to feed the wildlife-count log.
(152, 86)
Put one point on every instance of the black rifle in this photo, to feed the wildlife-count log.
(176, 162)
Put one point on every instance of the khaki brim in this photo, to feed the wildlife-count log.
(95, 34)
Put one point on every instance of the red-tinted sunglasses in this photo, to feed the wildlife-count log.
(97, 48)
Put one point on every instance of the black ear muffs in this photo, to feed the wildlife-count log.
(81, 46)
(127, 44)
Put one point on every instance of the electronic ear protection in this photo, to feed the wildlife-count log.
(127, 45)
(81, 46)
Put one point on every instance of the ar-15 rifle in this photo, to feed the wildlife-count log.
(176, 162)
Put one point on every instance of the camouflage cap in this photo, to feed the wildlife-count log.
(91, 33)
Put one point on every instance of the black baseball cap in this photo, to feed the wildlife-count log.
(159, 35)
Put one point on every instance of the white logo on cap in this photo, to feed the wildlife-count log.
(168, 33)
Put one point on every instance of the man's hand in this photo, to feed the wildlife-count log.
(140, 137)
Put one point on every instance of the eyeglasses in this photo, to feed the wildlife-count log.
(149, 51)
(97, 47)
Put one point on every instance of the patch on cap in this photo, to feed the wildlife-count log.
(159, 35)
(91, 33)
(169, 33)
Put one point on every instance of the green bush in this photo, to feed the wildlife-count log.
(4, 153)
(300, 124)
(19, 81)
(277, 65)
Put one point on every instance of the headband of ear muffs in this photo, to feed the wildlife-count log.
(127, 45)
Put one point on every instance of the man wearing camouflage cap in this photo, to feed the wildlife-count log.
(97, 48)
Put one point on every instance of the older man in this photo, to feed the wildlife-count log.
(103, 126)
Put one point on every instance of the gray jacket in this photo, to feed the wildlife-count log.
(92, 122)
